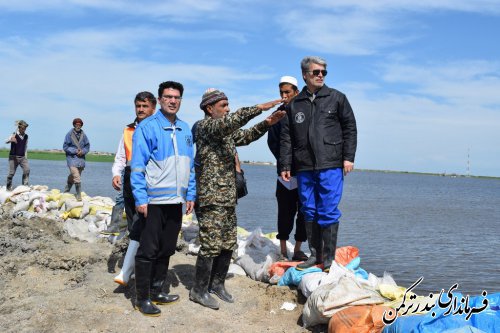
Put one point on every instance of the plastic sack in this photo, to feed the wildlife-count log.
(293, 276)
(487, 320)
(311, 282)
(345, 254)
(331, 298)
(359, 319)
(279, 268)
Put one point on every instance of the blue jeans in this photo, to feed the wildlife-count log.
(119, 202)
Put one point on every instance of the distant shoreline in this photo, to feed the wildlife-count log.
(59, 155)
(94, 156)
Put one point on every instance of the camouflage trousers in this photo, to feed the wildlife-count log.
(217, 229)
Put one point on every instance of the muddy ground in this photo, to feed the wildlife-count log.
(50, 282)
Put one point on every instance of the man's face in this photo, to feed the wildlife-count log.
(22, 129)
(143, 109)
(219, 109)
(314, 82)
(287, 92)
(170, 101)
(78, 127)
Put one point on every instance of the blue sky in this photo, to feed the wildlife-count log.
(422, 77)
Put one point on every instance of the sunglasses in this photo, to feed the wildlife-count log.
(317, 71)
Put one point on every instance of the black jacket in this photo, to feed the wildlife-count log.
(320, 134)
(273, 142)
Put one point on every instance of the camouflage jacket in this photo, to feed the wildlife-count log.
(216, 141)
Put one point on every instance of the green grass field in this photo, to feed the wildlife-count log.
(56, 156)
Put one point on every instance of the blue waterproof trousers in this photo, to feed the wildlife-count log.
(320, 193)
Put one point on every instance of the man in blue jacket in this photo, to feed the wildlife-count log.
(76, 146)
(163, 179)
(320, 129)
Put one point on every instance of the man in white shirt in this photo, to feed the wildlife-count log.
(145, 104)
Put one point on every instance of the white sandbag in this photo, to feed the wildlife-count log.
(263, 273)
(70, 204)
(310, 282)
(101, 225)
(79, 229)
(193, 248)
(92, 228)
(52, 205)
(34, 195)
(249, 265)
(236, 269)
(21, 205)
(85, 209)
(190, 230)
(4, 194)
(101, 215)
(328, 299)
(257, 246)
(90, 218)
(20, 189)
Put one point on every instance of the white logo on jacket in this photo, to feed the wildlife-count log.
(299, 117)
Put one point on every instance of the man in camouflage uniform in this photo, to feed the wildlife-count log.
(216, 137)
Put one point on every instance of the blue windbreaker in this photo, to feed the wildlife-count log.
(162, 163)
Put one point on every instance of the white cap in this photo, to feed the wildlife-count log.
(290, 80)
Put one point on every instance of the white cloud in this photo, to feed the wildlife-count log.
(354, 33)
(80, 74)
(177, 10)
(478, 6)
(367, 27)
(465, 83)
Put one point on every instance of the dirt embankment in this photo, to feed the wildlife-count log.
(50, 282)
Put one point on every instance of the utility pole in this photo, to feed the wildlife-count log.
(468, 162)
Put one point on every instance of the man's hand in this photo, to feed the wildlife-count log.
(268, 105)
(189, 207)
(286, 175)
(348, 167)
(79, 153)
(13, 139)
(275, 117)
(117, 183)
(143, 209)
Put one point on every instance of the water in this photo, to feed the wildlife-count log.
(444, 229)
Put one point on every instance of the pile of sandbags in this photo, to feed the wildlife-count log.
(83, 219)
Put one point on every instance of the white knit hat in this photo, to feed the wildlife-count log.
(290, 80)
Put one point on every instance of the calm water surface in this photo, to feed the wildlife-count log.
(444, 229)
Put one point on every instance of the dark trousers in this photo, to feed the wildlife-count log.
(135, 220)
(161, 230)
(289, 206)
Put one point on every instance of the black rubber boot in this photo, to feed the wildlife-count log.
(142, 284)
(68, 187)
(159, 276)
(9, 184)
(329, 235)
(116, 218)
(218, 276)
(26, 179)
(199, 293)
(78, 194)
(314, 241)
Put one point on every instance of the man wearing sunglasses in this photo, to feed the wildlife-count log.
(320, 129)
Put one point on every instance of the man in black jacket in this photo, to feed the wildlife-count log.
(18, 153)
(320, 129)
(287, 194)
